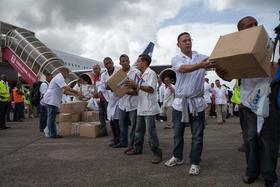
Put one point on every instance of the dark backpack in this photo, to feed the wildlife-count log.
(35, 94)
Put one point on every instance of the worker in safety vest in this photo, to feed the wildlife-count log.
(4, 98)
(18, 96)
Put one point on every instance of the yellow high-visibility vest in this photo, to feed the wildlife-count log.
(236, 93)
(4, 93)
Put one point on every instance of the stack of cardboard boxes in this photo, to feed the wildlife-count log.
(74, 119)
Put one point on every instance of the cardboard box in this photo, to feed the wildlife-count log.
(89, 129)
(64, 117)
(116, 83)
(65, 128)
(244, 54)
(68, 117)
(76, 128)
(90, 116)
(76, 117)
(73, 107)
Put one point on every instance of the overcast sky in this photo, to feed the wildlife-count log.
(99, 28)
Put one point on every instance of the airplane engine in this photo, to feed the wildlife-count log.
(168, 72)
(87, 77)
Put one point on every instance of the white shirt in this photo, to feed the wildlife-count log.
(129, 102)
(78, 88)
(101, 85)
(168, 95)
(43, 88)
(207, 92)
(220, 95)
(246, 88)
(111, 97)
(189, 84)
(147, 102)
(53, 96)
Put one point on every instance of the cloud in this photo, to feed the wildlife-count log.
(257, 5)
(100, 28)
(204, 36)
(92, 28)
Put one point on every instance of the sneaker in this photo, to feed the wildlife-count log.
(194, 170)
(173, 162)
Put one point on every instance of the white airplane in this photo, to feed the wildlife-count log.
(32, 59)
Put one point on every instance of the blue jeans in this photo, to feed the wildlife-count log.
(261, 150)
(19, 111)
(52, 111)
(197, 128)
(43, 117)
(142, 121)
(126, 119)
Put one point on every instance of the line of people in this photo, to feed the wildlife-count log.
(19, 100)
(261, 148)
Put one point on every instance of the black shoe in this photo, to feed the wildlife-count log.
(127, 150)
(241, 149)
(102, 135)
(41, 130)
(271, 184)
(133, 152)
(119, 146)
(57, 136)
(168, 127)
(157, 159)
(113, 144)
(3, 128)
(249, 180)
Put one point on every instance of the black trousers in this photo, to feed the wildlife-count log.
(9, 110)
(103, 116)
(43, 117)
(261, 149)
(3, 112)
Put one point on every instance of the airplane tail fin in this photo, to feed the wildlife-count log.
(149, 49)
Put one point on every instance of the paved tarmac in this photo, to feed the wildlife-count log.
(27, 158)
